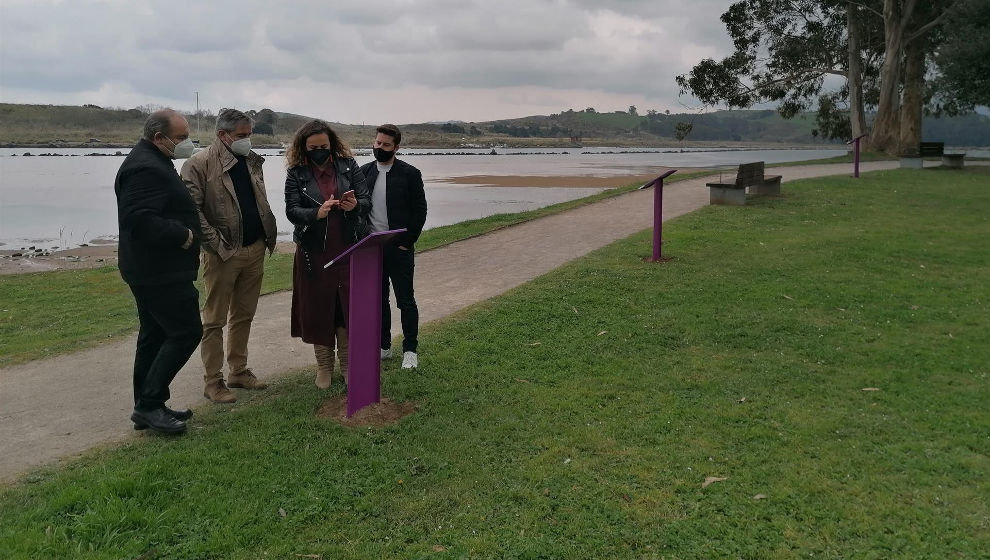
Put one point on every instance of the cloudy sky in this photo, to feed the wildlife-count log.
(358, 61)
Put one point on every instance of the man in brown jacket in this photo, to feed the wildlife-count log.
(228, 187)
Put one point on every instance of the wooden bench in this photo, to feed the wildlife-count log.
(749, 175)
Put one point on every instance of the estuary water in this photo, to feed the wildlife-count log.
(62, 201)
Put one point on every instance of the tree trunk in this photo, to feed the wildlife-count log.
(886, 135)
(913, 99)
(857, 114)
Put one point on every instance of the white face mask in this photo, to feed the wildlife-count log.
(183, 149)
(241, 147)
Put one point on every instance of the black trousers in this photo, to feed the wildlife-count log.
(170, 331)
(398, 267)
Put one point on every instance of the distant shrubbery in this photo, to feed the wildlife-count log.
(55, 124)
(531, 131)
(720, 126)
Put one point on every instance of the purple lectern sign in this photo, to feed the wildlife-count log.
(658, 213)
(364, 319)
(855, 143)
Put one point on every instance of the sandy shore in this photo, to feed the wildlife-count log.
(24, 260)
(93, 256)
(102, 253)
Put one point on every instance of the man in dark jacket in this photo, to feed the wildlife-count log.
(398, 200)
(159, 260)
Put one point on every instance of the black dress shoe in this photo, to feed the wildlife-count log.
(183, 415)
(158, 420)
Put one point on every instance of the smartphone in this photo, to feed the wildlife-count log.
(347, 193)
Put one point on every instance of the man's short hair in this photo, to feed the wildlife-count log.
(229, 119)
(159, 121)
(391, 130)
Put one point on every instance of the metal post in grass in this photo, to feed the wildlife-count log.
(364, 319)
(855, 142)
(658, 213)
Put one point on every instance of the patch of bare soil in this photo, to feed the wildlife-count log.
(384, 413)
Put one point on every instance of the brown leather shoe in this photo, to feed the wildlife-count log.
(218, 392)
(245, 380)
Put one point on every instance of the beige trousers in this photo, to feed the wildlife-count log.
(232, 289)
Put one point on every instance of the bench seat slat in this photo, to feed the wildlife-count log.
(725, 185)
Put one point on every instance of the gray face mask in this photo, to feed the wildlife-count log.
(183, 149)
(241, 147)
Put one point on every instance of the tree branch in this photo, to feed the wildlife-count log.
(867, 8)
(928, 26)
(832, 71)
(788, 78)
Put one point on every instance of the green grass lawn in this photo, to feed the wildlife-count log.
(863, 157)
(847, 158)
(579, 415)
(48, 313)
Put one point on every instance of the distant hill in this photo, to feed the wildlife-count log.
(754, 126)
(90, 125)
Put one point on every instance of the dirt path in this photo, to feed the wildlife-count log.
(56, 408)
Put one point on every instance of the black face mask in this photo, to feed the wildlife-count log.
(318, 156)
(381, 155)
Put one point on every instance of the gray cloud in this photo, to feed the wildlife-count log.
(613, 49)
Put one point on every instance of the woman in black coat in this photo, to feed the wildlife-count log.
(327, 200)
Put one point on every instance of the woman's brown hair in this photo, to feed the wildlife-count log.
(296, 153)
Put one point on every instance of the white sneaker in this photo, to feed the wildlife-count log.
(409, 360)
(386, 354)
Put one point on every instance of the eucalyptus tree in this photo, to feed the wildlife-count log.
(784, 51)
(799, 54)
(910, 36)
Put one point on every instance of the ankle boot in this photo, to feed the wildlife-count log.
(216, 390)
(324, 365)
(342, 351)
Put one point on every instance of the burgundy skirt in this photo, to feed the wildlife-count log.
(319, 296)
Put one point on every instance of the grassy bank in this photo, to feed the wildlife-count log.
(864, 157)
(78, 309)
(847, 158)
(580, 415)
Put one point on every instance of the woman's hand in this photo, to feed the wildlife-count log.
(326, 207)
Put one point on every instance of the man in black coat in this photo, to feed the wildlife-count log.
(398, 200)
(159, 260)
